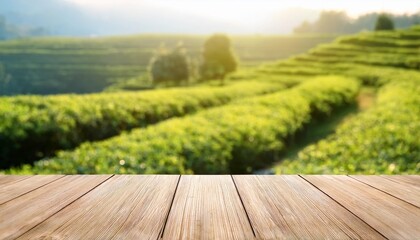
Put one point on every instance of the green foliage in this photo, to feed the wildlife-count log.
(396, 49)
(247, 134)
(218, 58)
(384, 22)
(170, 66)
(142, 82)
(231, 138)
(32, 127)
(385, 139)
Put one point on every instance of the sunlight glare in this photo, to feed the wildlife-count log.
(250, 11)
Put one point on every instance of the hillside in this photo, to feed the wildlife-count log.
(85, 65)
(253, 130)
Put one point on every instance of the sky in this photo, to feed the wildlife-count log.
(247, 11)
(116, 17)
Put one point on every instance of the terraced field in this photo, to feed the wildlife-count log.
(66, 65)
(249, 132)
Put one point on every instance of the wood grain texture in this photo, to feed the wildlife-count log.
(7, 179)
(394, 218)
(288, 207)
(207, 207)
(13, 189)
(406, 179)
(124, 207)
(407, 192)
(25, 212)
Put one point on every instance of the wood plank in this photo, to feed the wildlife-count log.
(124, 207)
(407, 192)
(17, 188)
(394, 218)
(7, 179)
(207, 207)
(25, 212)
(285, 207)
(406, 179)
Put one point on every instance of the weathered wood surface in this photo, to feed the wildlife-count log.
(23, 185)
(410, 194)
(289, 207)
(393, 218)
(29, 210)
(124, 207)
(209, 207)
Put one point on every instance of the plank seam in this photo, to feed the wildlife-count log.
(343, 206)
(36, 225)
(30, 190)
(383, 191)
(162, 231)
(243, 206)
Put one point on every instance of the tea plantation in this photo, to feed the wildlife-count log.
(73, 65)
(242, 127)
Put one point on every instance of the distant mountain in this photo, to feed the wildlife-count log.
(64, 18)
(11, 31)
(61, 17)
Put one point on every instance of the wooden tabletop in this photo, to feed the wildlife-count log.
(209, 207)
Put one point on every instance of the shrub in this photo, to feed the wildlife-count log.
(170, 66)
(385, 139)
(32, 127)
(238, 137)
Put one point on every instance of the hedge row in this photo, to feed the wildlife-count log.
(385, 139)
(32, 127)
(238, 137)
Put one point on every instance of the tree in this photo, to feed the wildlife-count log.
(384, 22)
(218, 58)
(170, 66)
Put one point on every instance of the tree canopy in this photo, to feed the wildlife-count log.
(218, 58)
(384, 22)
(170, 66)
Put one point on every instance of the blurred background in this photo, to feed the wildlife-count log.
(142, 86)
(107, 17)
